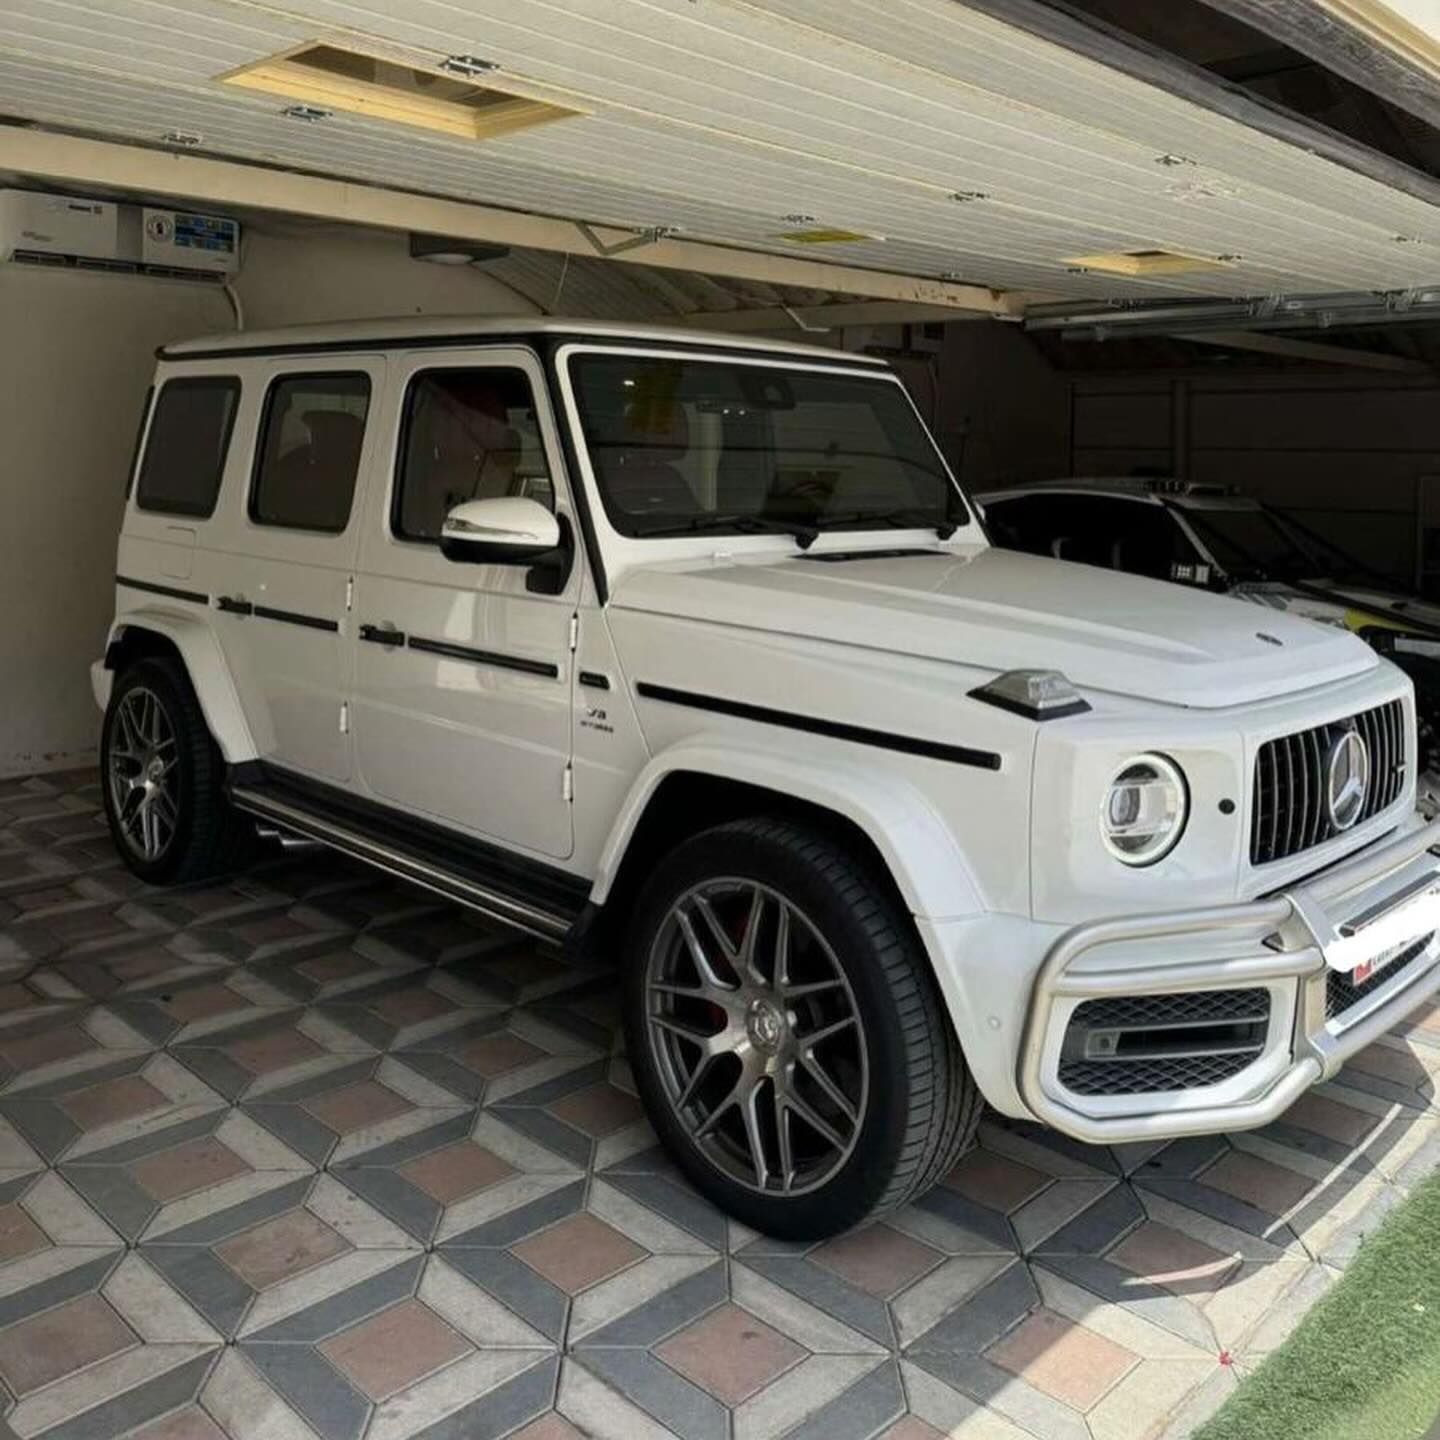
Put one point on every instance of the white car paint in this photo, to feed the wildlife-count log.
(883, 632)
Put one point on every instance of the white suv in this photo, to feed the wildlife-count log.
(691, 649)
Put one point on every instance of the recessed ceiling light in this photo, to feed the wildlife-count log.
(1408, 240)
(186, 138)
(308, 113)
(468, 65)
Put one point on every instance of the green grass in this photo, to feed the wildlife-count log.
(1364, 1364)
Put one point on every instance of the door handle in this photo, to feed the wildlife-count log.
(234, 605)
(382, 634)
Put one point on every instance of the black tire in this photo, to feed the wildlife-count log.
(209, 836)
(924, 1109)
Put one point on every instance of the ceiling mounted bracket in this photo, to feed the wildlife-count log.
(653, 236)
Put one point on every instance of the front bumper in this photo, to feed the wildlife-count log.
(1384, 901)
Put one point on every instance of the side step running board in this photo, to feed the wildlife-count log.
(408, 861)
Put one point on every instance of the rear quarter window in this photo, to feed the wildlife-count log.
(185, 450)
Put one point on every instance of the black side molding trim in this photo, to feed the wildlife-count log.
(594, 680)
(234, 605)
(382, 635)
(813, 725)
(174, 592)
(486, 657)
(292, 617)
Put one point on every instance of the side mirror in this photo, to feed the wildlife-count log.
(505, 530)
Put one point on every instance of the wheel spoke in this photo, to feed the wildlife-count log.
(717, 930)
(719, 1112)
(745, 958)
(697, 1075)
(837, 1097)
(709, 976)
(782, 1136)
(816, 1122)
(669, 987)
(707, 1041)
(811, 987)
(781, 969)
(828, 1032)
(750, 1115)
(164, 808)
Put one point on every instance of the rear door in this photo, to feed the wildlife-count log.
(286, 586)
(463, 673)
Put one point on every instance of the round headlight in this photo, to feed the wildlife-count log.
(1145, 810)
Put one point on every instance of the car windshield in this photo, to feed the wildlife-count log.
(682, 446)
(1261, 544)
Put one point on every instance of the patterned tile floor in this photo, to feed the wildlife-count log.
(307, 1154)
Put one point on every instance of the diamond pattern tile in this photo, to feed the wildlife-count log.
(392, 1350)
(730, 1353)
(308, 1145)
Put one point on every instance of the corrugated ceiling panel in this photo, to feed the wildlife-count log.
(724, 117)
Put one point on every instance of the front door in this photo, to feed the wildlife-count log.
(462, 709)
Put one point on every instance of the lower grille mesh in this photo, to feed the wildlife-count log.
(1146, 1077)
(1145, 1044)
(1341, 993)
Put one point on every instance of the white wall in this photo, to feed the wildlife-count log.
(76, 355)
(295, 276)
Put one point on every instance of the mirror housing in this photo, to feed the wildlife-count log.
(504, 530)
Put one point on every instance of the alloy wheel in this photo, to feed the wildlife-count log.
(142, 773)
(758, 1041)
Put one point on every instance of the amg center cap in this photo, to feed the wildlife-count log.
(1347, 775)
(766, 1025)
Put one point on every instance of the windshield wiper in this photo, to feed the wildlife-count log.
(900, 518)
(739, 524)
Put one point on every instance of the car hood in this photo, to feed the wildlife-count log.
(1002, 610)
(1362, 603)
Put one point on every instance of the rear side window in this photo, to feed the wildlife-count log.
(189, 435)
(139, 440)
(309, 451)
(468, 435)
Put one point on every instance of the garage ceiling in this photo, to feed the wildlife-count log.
(966, 147)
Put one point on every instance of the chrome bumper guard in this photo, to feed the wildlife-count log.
(1375, 905)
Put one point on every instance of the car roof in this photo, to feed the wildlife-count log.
(1145, 491)
(458, 329)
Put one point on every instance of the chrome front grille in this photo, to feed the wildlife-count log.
(1145, 1044)
(1290, 813)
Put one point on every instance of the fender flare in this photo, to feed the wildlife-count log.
(210, 676)
(917, 847)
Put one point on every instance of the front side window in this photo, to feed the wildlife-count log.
(185, 452)
(468, 435)
(309, 451)
(730, 446)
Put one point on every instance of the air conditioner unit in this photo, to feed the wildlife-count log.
(183, 240)
(65, 230)
(57, 228)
